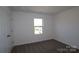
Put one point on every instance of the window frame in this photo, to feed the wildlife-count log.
(39, 26)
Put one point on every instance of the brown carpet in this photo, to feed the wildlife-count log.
(48, 46)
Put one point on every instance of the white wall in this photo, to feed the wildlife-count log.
(5, 43)
(23, 31)
(67, 27)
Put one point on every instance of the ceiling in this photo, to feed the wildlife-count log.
(41, 9)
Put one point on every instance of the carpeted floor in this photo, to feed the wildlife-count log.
(48, 46)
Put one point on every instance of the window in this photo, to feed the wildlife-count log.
(38, 25)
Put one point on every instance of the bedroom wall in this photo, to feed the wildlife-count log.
(5, 42)
(23, 31)
(67, 27)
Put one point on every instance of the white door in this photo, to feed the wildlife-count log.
(5, 42)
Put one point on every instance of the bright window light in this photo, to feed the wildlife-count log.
(38, 26)
(37, 22)
(38, 30)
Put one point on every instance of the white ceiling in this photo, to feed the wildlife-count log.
(41, 9)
